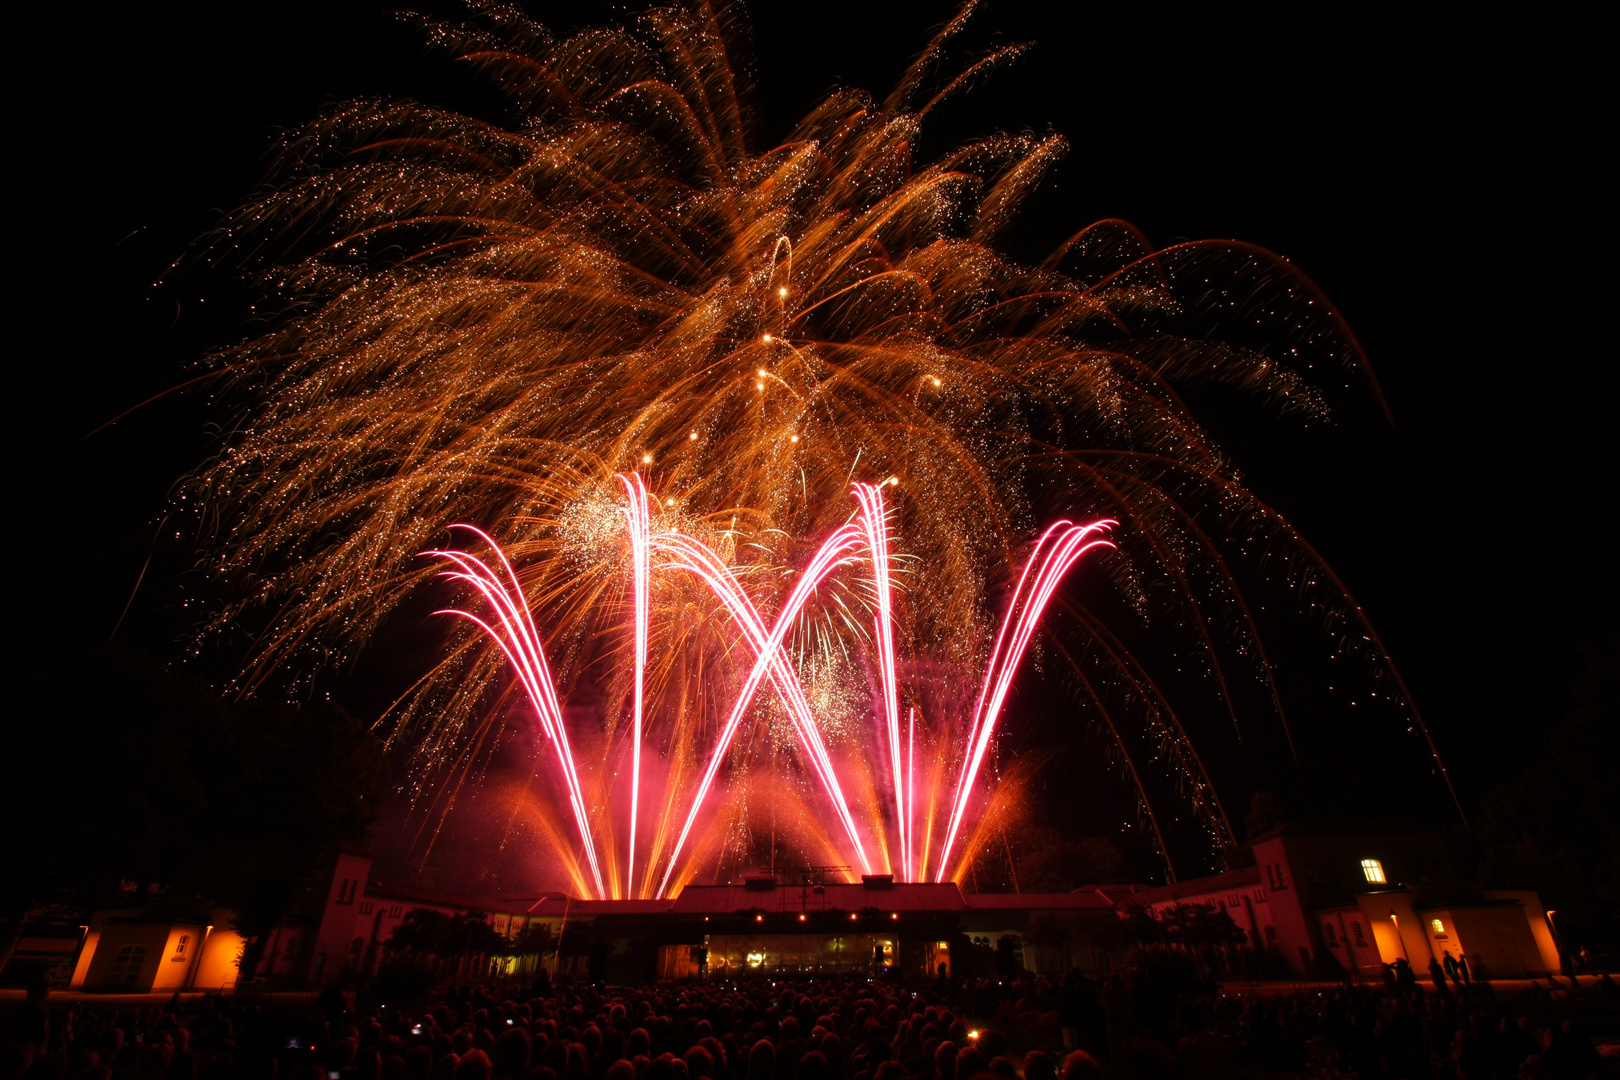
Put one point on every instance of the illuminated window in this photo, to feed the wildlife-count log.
(1374, 871)
(1439, 927)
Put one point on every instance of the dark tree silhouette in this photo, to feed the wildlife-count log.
(1556, 827)
(137, 781)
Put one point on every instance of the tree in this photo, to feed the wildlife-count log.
(1200, 927)
(1265, 813)
(471, 935)
(1141, 928)
(131, 776)
(536, 939)
(1556, 827)
(428, 935)
(422, 933)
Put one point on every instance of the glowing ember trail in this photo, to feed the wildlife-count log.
(516, 636)
(513, 630)
(693, 556)
(487, 320)
(637, 517)
(1060, 547)
(876, 524)
(911, 788)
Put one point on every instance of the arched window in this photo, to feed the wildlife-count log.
(126, 966)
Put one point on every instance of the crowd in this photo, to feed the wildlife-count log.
(839, 1029)
(1407, 1031)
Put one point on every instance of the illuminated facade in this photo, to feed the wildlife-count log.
(158, 950)
(1355, 899)
(1325, 900)
(763, 925)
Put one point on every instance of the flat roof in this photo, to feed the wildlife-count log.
(514, 905)
(557, 907)
(710, 900)
(725, 899)
(1241, 878)
(1087, 900)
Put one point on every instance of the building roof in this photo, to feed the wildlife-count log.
(557, 906)
(710, 900)
(418, 894)
(725, 899)
(1086, 900)
(1241, 878)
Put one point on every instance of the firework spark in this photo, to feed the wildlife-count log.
(489, 323)
(1059, 549)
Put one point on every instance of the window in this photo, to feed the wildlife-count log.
(126, 966)
(1332, 937)
(179, 956)
(1271, 934)
(1374, 871)
(1439, 928)
(365, 907)
(1355, 931)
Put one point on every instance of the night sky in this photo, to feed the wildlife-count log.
(1437, 178)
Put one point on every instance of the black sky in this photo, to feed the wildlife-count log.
(1438, 177)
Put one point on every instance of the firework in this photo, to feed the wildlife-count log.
(514, 634)
(491, 323)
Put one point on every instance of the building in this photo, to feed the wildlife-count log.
(1324, 899)
(156, 949)
(767, 923)
(1329, 898)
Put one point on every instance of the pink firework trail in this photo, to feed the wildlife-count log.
(512, 628)
(691, 555)
(875, 521)
(1059, 548)
(639, 521)
(513, 631)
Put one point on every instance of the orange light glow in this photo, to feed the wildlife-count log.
(588, 287)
